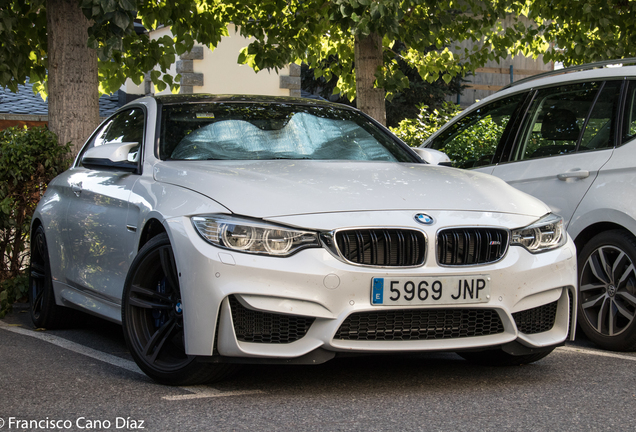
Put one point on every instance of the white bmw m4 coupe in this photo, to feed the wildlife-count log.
(224, 230)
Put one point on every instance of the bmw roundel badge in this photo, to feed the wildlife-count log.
(424, 219)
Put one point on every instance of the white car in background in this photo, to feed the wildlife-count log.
(226, 230)
(567, 138)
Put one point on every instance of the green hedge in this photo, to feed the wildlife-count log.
(416, 130)
(29, 159)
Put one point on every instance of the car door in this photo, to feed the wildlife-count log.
(100, 246)
(567, 135)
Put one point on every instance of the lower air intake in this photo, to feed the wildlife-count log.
(420, 324)
(265, 327)
(537, 320)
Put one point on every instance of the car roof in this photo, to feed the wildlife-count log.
(565, 76)
(202, 98)
(605, 71)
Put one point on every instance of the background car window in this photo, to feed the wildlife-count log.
(629, 123)
(599, 130)
(472, 141)
(554, 120)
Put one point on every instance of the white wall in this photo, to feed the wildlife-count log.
(221, 72)
(223, 75)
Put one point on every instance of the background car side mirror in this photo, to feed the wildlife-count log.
(434, 157)
(116, 156)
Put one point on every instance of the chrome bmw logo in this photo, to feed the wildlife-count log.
(424, 219)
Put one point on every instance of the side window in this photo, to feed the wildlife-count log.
(554, 121)
(127, 126)
(629, 121)
(472, 140)
(599, 130)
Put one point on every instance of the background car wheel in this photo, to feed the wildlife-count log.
(499, 357)
(44, 312)
(607, 290)
(152, 317)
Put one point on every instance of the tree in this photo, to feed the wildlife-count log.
(579, 32)
(562, 30)
(362, 33)
(71, 49)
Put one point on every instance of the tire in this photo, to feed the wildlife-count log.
(607, 290)
(45, 313)
(499, 357)
(152, 318)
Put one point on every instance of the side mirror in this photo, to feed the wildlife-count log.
(434, 157)
(116, 156)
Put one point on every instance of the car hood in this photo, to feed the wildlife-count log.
(273, 188)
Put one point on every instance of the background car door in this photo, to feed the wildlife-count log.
(100, 245)
(567, 135)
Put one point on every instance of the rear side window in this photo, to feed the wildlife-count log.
(600, 128)
(472, 140)
(629, 122)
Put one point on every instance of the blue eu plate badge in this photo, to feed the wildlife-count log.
(378, 291)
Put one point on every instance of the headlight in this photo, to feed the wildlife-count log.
(545, 234)
(244, 235)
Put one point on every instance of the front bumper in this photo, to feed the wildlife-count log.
(527, 290)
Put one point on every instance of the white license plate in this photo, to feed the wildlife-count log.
(442, 290)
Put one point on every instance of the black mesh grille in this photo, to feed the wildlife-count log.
(264, 327)
(382, 247)
(420, 324)
(469, 246)
(536, 320)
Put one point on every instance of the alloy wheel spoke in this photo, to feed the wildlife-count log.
(627, 273)
(38, 300)
(591, 286)
(612, 318)
(148, 304)
(159, 339)
(627, 296)
(593, 301)
(150, 293)
(37, 270)
(39, 243)
(623, 311)
(596, 263)
(602, 314)
(168, 265)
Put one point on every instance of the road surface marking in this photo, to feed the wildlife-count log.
(571, 349)
(75, 347)
(197, 392)
(200, 392)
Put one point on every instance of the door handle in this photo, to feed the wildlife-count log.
(77, 189)
(578, 174)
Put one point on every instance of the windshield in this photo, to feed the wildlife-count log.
(256, 131)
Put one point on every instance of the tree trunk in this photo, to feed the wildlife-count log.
(368, 58)
(72, 74)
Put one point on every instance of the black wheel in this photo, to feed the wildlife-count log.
(607, 290)
(499, 357)
(44, 312)
(152, 317)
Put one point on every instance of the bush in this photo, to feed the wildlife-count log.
(472, 147)
(29, 160)
(416, 130)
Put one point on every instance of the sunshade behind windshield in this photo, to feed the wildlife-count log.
(242, 131)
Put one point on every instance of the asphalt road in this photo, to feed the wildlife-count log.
(84, 379)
